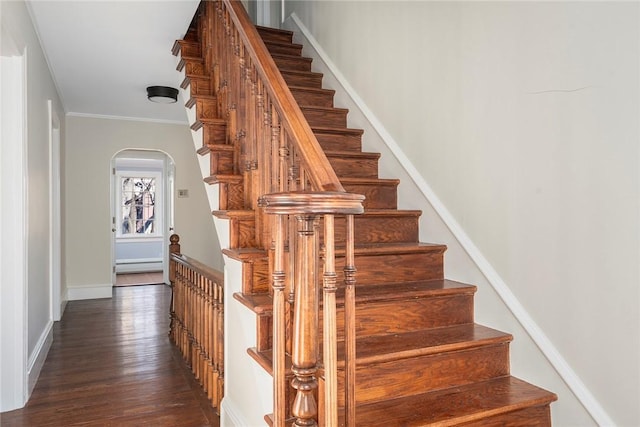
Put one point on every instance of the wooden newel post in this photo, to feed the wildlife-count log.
(304, 357)
(174, 248)
(306, 208)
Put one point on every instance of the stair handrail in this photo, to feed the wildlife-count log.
(289, 184)
(319, 170)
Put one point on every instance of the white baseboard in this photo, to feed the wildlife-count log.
(39, 355)
(76, 293)
(230, 416)
(562, 367)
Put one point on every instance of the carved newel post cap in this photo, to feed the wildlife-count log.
(174, 238)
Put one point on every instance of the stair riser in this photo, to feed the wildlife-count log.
(369, 229)
(537, 416)
(213, 134)
(354, 167)
(198, 86)
(193, 66)
(275, 35)
(231, 197)
(303, 80)
(329, 118)
(189, 49)
(380, 269)
(293, 63)
(242, 233)
(389, 317)
(313, 98)
(400, 378)
(285, 49)
(339, 142)
(220, 162)
(376, 196)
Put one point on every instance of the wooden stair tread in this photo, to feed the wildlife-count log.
(258, 303)
(194, 97)
(244, 254)
(223, 179)
(282, 43)
(370, 181)
(184, 59)
(373, 349)
(262, 303)
(275, 33)
(395, 248)
(352, 154)
(322, 129)
(392, 347)
(190, 77)
(320, 108)
(302, 73)
(408, 290)
(201, 121)
(208, 148)
(234, 214)
(455, 406)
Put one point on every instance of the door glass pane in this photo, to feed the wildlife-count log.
(138, 205)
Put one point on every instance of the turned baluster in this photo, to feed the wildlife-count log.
(220, 346)
(350, 326)
(279, 331)
(305, 323)
(329, 329)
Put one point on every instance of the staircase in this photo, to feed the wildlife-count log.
(420, 358)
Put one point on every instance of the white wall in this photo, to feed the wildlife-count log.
(91, 144)
(40, 87)
(523, 119)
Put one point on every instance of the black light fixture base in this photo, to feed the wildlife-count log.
(162, 94)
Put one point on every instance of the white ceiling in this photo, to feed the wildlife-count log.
(104, 54)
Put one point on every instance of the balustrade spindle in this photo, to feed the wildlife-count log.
(306, 208)
(197, 325)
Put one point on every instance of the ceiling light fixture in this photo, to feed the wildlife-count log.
(162, 94)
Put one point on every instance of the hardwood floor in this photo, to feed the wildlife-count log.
(112, 364)
(134, 279)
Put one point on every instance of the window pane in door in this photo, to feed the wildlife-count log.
(138, 205)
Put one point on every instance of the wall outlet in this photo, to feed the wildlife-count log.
(183, 193)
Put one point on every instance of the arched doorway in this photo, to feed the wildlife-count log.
(142, 213)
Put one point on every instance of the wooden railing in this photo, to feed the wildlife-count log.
(197, 319)
(289, 184)
(305, 209)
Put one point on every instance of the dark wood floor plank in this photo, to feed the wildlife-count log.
(112, 364)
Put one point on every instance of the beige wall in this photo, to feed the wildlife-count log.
(91, 144)
(40, 88)
(523, 119)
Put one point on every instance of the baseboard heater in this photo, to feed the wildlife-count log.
(140, 265)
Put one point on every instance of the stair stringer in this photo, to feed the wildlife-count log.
(248, 389)
(533, 356)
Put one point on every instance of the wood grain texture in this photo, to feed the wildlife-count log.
(111, 363)
(419, 357)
